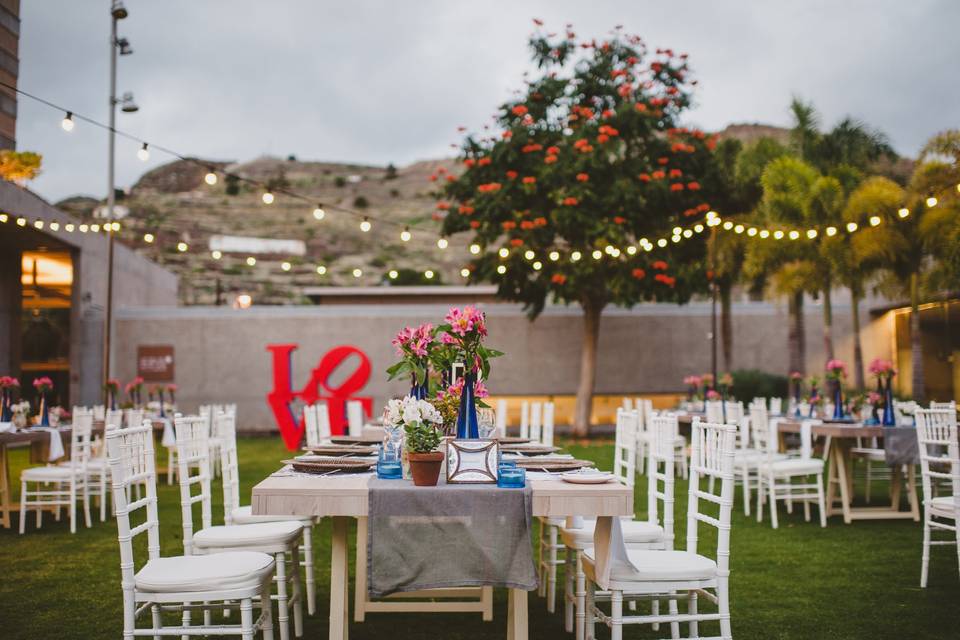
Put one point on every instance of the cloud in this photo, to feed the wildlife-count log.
(377, 82)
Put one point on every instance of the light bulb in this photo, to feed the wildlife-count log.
(442, 243)
(267, 197)
(474, 249)
(3, 217)
(752, 231)
(502, 269)
(83, 227)
(321, 269)
(675, 238)
(662, 242)
(210, 178)
(465, 272)
(38, 224)
(794, 234)
(575, 256)
(393, 274)
(54, 226)
(537, 265)
(851, 227)
(711, 214)
(904, 212)
(428, 274)
(67, 122)
(597, 254)
(365, 225)
(677, 231)
(528, 254)
(181, 246)
(319, 213)
(778, 235)
(143, 153)
(698, 228)
(811, 233)
(357, 273)
(251, 261)
(405, 234)
(215, 254)
(831, 231)
(95, 228)
(504, 252)
(874, 221)
(148, 238)
(285, 266)
(69, 227)
(615, 253)
(608, 250)
(687, 233)
(931, 201)
(632, 250)
(739, 228)
(728, 225)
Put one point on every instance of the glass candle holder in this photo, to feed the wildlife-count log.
(511, 477)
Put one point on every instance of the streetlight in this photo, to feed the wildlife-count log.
(118, 46)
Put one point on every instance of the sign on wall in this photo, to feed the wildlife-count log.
(155, 362)
(322, 386)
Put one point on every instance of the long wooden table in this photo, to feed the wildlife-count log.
(345, 497)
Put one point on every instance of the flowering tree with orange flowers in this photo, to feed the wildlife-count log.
(589, 170)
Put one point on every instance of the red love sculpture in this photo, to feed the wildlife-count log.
(291, 426)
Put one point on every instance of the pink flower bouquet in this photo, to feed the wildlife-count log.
(414, 346)
(836, 369)
(882, 369)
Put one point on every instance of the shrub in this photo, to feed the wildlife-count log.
(360, 202)
(753, 383)
(339, 181)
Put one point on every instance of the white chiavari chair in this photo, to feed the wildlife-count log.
(61, 485)
(775, 477)
(316, 418)
(903, 411)
(525, 419)
(279, 539)
(714, 411)
(627, 403)
(177, 582)
(502, 417)
(355, 418)
(546, 434)
(940, 469)
(133, 417)
(776, 406)
(656, 532)
(99, 412)
(672, 575)
(98, 468)
(235, 513)
(536, 421)
(941, 406)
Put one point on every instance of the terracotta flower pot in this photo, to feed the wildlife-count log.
(425, 468)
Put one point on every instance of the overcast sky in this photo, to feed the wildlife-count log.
(377, 82)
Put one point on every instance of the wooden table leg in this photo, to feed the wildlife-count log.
(360, 590)
(339, 580)
(6, 500)
(841, 454)
(831, 479)
(896, 478)
(516, 614)
(912, 492)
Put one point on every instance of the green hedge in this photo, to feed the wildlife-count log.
(752, 383)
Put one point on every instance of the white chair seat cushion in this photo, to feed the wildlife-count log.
(943, 505)
(215, 572)
(97, 465)
(793, 466)
(244, 515)
(46, 474)
(248, 535)
(634, 532)
(652, 566)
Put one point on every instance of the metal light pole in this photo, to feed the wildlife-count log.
(118, 46)
(713, 303)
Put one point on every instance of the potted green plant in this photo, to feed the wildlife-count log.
(421, 424)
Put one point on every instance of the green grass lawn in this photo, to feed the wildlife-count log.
(798, 582)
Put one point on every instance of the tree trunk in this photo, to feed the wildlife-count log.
(857, 348)
(918, 382)
(827, 323)
(796, 341)
(588, 367)
(726, 325)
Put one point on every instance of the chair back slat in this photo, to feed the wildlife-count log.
(776, 406)
(546, 435)
(229, 465)
(939, 450)
(525, 419)
(355, 417)
(193, 466)
(81, 439)
(625, 446)
(712, 451)
(502, 416)
(662, 431)
(714, 410)
(760, 429)
(316, 418)
(131, 459)
(133, 417)
(536, 421)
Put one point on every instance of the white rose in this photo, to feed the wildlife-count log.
(429, 412)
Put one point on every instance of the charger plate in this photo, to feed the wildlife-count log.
(556, 464)
(528, 449)
(342, 450)
(324, 464)
(356, 439)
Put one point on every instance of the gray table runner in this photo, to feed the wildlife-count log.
(900, 445)
(448, 536)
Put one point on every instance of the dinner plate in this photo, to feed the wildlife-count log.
(587, 477)
(529, 449)
(512, 440)
(342, 450)
(357, 439)
(326, 464)
(556, 464)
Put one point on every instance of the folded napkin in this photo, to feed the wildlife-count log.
(56, 443)
(7, 426)
(169, 439)
(609, 549)
(806, 438)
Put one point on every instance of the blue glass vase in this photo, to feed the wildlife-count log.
(723, 403)
(467, 414)
(160, 395)
(813, 399)
(6, 414)
(889, 420)
(838, 413)
(44, 411)
(418, 391)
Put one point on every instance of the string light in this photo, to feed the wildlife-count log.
(596, 254)
(687, 233)
(739, 228)
(54, 226)
(465, 272)
(251, 261)
(904, 212)
(504, 252)
(285, 266)
(831, 231)
(537, 265)
(812, 233)
(365, 225)
(143, 153)
(851, 227)
(502, 269)
(575, 256)
(474, 249)
(778, 235)
(764, 233)
(357, 273)
(321, 270)
(38, 224)
(393, 274)
(752, 231)
(662, 242)
(148, 238)
(528, 254)
(267, 197)
(405, 234)
(428, 274)
(82, 228)
(67, 123)
(319, 213)
(210, 178)
(181, 246)
(632, 250)
(215, 254)
(932, 201)
(554, 255)
(727, 225)
(69, 227)
(874, 221)
(3, 217)
(95, 228)
(442, 242)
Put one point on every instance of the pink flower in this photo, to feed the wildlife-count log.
(461, 322)
(796, 375)
(837, 367)
(880, 367)
(875, 399)
(446, 338)
(480, 389)
(713, 394)
(692, 381)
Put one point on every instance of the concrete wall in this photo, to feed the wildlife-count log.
(221, 353)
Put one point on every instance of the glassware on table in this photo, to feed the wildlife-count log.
(511, 477)
(486, 423)
(389, 458)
